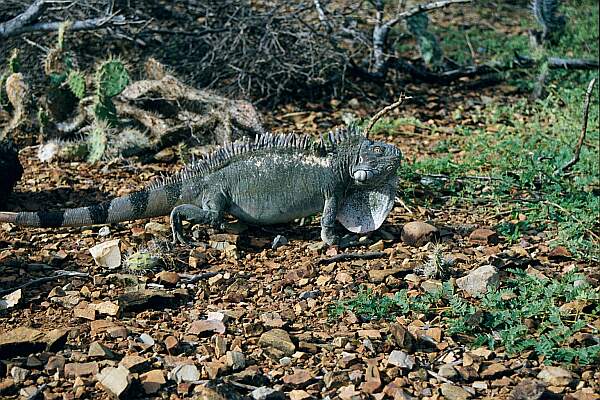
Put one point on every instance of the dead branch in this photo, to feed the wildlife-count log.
(423, 8)
(586, 112)
(382, 29)
(31, 13)
(83, 25)
(383, 112)
(423, 74)
(24, 22)
(57, 275)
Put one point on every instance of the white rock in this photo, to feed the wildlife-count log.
(185, 373)
(401, 359)
(478, 281)
(107, 254)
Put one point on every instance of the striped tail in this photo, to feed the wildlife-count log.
(143, 204)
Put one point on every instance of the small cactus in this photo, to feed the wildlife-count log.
(111, 79)
(97, 140)
(76, 82)
(143, 261)
(437, 264)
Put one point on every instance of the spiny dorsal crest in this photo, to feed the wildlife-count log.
(223, 155)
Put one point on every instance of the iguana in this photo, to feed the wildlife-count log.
(273, 179)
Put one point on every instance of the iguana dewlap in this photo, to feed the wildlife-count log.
(274, 179)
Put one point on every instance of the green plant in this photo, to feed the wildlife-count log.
(111, 79)
(97, 140)
(526, 313)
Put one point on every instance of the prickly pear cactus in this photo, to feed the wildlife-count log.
(143, 261)
(111, 79)
(76, 82)
(97, 141)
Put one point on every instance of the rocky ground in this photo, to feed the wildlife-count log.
(247, 313)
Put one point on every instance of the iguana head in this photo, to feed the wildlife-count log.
(375, 163)
(368, 201)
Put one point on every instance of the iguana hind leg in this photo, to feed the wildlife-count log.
(193, 214)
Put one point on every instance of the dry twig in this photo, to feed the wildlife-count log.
(57, 275)
(384, 111)
(586, 113)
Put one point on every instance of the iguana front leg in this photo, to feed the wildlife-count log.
(193, 214)
(328, 221)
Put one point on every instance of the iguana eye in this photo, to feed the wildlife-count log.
(377, 150)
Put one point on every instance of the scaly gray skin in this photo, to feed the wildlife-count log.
(275, 179)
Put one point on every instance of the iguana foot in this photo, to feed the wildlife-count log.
(191, 213)
(329, 236)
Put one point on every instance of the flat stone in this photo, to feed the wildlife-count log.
(158, 229)
(98, 350)
(213, 368)
(84, 313)
(453, 392)
(171, 343)
(235, 360)
(55, 363)
(107, 308)
(448, 371)
(73, 370)
(278, 242)
(21, 341)
(100, 326)
(152, 381)
(206, 326)
(33, 361)
(379, 275)
(146, 339)
(555, 376)
(483, 236)
(152, 299)
(266, 393)
(185, 373)
(299, 377)
(401, 359)
(135, 363)
(168, 278)
(417, 233)
(56, 339)
(402, 337)
(431, 286)
(494, 370)
(19, 374)
(7, 387)
(115, 381)
(528, 389)
(278, 339)
(107, 254)
(478, 281)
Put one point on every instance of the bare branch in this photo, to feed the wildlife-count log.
(23, 22)
(382, 29)
(33, 11)
(57, 275)
(384, 111)
(423, 8)
(83, 25)
(586, 113)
